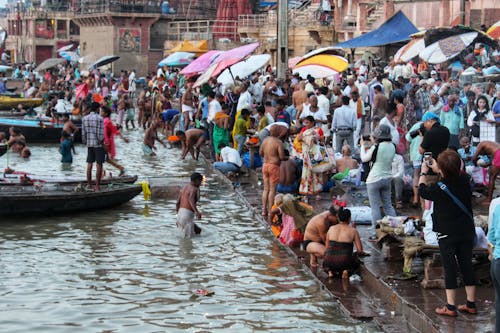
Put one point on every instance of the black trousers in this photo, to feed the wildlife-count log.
(456, 253)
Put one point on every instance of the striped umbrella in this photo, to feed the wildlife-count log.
(494, 31)
(334, 62)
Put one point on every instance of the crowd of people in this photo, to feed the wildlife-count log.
(384, 127)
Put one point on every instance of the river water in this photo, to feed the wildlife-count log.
(126, 269)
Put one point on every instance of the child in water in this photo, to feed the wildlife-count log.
(65, 148)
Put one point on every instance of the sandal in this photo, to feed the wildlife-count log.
(465, 308)
(444, 311)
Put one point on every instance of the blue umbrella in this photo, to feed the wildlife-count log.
(177, 59)
(70, 56)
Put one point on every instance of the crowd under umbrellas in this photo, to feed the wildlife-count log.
(310, 131)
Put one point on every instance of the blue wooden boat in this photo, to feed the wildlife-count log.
(36, 130)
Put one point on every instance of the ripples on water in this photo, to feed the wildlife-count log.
(126, 270)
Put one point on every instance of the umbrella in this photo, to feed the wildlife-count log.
(244, 68)
(233, 56)
(177, 59)
(316, 71)
(65, 48)
(494, 31)
(205, 76)
(104, 61)
(201, 63)
(49, 63)
(333, 50)
(4, 68)
(70, 56)
(334, 62)
(293, 61)
(410, 50)
(447, 48)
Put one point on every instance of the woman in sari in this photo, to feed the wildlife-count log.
(310, 137)
(221, 132)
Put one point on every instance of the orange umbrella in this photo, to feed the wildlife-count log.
(494, 31)
(333, 62)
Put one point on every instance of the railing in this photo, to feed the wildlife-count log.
(206, 29)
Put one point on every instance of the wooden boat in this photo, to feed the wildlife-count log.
(26, 179)
(54, 198)
(35, 130)
(3, 149)
(8, 102)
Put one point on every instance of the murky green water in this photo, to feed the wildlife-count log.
(126, 270)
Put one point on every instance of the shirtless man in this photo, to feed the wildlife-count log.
(191, 141)
(15, 136)
(150, 137)
(187, 106)
(315, 234)
(492, 149)
(346, 161)
(186, 207)
(69, 128)
(288, 182)
(299, 97)
(273, 153)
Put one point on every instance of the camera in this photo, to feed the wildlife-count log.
(415, 133)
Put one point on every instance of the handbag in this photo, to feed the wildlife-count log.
(455, 200)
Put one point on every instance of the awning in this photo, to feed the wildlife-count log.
(396, 29)
(198, 47)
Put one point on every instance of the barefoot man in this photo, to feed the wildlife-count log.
(492, 149)
(186, 207)
(148, 145)
(191, 141)
(315, 234)
(93, 138)
(273, 153)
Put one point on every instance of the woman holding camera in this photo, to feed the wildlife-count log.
(453, 222)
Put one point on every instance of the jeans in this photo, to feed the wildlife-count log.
(495, 279)
(226, 167)
(240, 139)
(379, 195)
(398, 184)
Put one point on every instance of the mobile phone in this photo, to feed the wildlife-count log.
(428, 158)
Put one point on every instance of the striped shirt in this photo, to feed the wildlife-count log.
(92, 130)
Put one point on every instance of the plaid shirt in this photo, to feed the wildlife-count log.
(92, 130)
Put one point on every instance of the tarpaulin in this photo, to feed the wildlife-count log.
(396, 29)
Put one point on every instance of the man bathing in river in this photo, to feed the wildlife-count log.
(315, 234)
(186, 207)
(191, 141)
(148, 145)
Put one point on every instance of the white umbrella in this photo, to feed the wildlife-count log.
(70, 56)
(244, 68)
(316, 71)
(447, 48)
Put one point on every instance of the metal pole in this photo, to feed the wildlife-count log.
(462, 12)
(282, 32)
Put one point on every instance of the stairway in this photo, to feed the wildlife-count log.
(375, 16)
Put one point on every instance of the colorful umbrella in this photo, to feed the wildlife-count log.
(316, 71)
(65, 48)
(332, 50)
(293, 61)
(104, 61)
(494, 31)
(201, 63)
(177, 59)
(447, 48)
(410, 50)
(334, 62)
(233, 56)
(244, 68)
(70, 56)
(205, 76)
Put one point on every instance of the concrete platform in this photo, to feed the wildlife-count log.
(397, 306)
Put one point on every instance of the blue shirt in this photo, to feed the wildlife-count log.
(494, 226)
(204, 108)
(283, 116)
(452, 119)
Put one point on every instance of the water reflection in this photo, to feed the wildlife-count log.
(126, 270)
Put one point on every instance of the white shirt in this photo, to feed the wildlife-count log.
(278, 123)
(394, 130)
(344, 117)
(363, 91)
(231, 155)
(258, 90)
(319, 115)
(324, 103)
(159, 72)
(213, 107)
(398, 166)
(245, 100)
